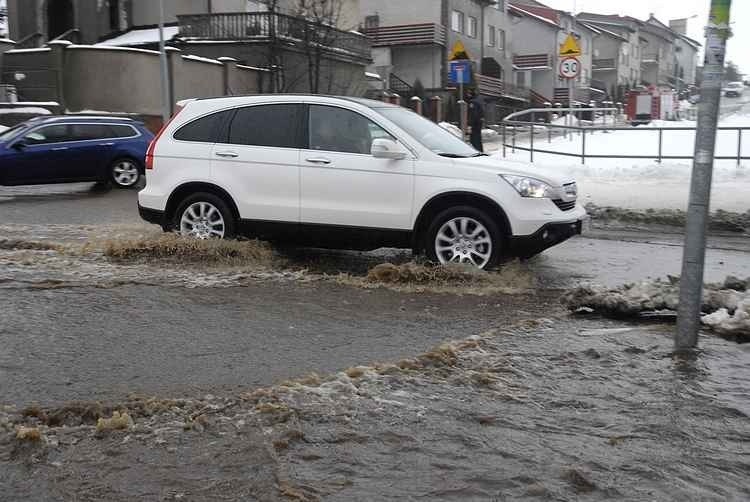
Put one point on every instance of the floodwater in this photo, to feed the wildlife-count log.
(558, 408)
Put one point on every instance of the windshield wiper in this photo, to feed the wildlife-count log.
(456, 156)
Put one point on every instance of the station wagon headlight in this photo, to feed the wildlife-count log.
(529, 187)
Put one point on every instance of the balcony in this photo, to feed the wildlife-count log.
(265, 27)
(650, 58)
(491, 86)
(532, 62)
(407, 34)
(608, 64)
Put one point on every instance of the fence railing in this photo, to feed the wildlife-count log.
(510, 131)
(264, 26)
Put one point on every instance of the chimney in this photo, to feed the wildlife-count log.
(679, 26)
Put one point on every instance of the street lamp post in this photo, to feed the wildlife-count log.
(166, 105)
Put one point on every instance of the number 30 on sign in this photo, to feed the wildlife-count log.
(570, 68)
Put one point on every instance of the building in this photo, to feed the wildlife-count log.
(538, 33)
(686, 55)
(413, 43)
(658, 59)
(309, 49)
(617, 53)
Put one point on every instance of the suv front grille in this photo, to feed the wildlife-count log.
(565, 206)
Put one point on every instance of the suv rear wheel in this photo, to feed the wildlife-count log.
(464, 235)
(204, 216)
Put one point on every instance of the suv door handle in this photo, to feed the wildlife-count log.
(228, 154)
(319, 160)
(59, 148)
(106, 144)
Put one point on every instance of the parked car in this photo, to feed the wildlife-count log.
(734, 89)
(347, 173)
(64, 149)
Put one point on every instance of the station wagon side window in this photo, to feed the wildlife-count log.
(274, 125)
(122, 131)
(205, 129)
(88, 132)
(57, 133)
(335, 129)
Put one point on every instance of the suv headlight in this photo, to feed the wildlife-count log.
(529, 187)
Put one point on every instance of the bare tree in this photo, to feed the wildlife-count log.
(320, 35)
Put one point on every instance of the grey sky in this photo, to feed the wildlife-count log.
(665, 10)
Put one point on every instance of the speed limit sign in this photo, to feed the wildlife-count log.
(570, 67)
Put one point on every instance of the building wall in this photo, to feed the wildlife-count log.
(498, 17)
(531, 36)
(422, 62)
(146, 12)
(397, 13)
(687, 59)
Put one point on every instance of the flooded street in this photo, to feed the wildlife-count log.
(252, 373)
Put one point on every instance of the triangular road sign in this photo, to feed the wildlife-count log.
(458, 52)
(570, 47)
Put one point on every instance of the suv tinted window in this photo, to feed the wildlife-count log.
(204, 130)
(83, 132)
(339, 130)
(49, 134)
(266, 125)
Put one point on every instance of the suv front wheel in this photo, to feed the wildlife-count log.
(464, 235)
(204, 216)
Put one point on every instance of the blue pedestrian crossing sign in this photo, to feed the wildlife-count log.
(460, 72)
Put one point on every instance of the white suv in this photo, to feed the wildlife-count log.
(347, 173)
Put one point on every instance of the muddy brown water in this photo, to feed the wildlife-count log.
(560, 409)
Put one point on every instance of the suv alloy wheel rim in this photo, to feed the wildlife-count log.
(203, 221)
(463, 240)
(125, 173)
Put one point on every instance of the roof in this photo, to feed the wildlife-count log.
(523, 11)
(604, 30)
(80, 118)
(140, 36)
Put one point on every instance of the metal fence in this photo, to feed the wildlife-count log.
(511, 130)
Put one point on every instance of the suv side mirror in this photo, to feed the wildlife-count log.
(387, 149)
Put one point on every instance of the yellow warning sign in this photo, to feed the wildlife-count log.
(570, 47)
(459, 52)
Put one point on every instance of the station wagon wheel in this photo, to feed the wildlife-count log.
(125, 173)
(464, 235)
(204, 216)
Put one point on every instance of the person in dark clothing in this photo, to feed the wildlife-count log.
(476, 119)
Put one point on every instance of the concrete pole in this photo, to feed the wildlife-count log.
(166, 105)
(691, 281)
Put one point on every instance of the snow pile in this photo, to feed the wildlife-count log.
(727, 305)
(489, 135)
(452, 129)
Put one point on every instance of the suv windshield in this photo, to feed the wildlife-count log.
(428, 133)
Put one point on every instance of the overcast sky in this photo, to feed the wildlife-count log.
(665, 10)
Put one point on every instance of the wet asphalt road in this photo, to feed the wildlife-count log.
(97, 343)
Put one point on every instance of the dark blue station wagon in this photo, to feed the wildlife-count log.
(68, 149)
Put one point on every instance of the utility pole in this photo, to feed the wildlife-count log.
(166, 105)
(691, 281)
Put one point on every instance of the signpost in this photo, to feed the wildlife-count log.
(460, 73)
(694, 255)
(570, 65)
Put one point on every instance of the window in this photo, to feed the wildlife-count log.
(338, 130)
(491, 36)
(50, 134)
(266, 125)
(501, 40)
(457, 21)
(204, 129)
(372, 22)
(472, 27)
(500, 5)
(88, 132)
(122, 131)
(521, 79)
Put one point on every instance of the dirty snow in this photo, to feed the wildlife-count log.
(726, 305)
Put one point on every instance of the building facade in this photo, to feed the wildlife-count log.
(539, 32)
(413, 44)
